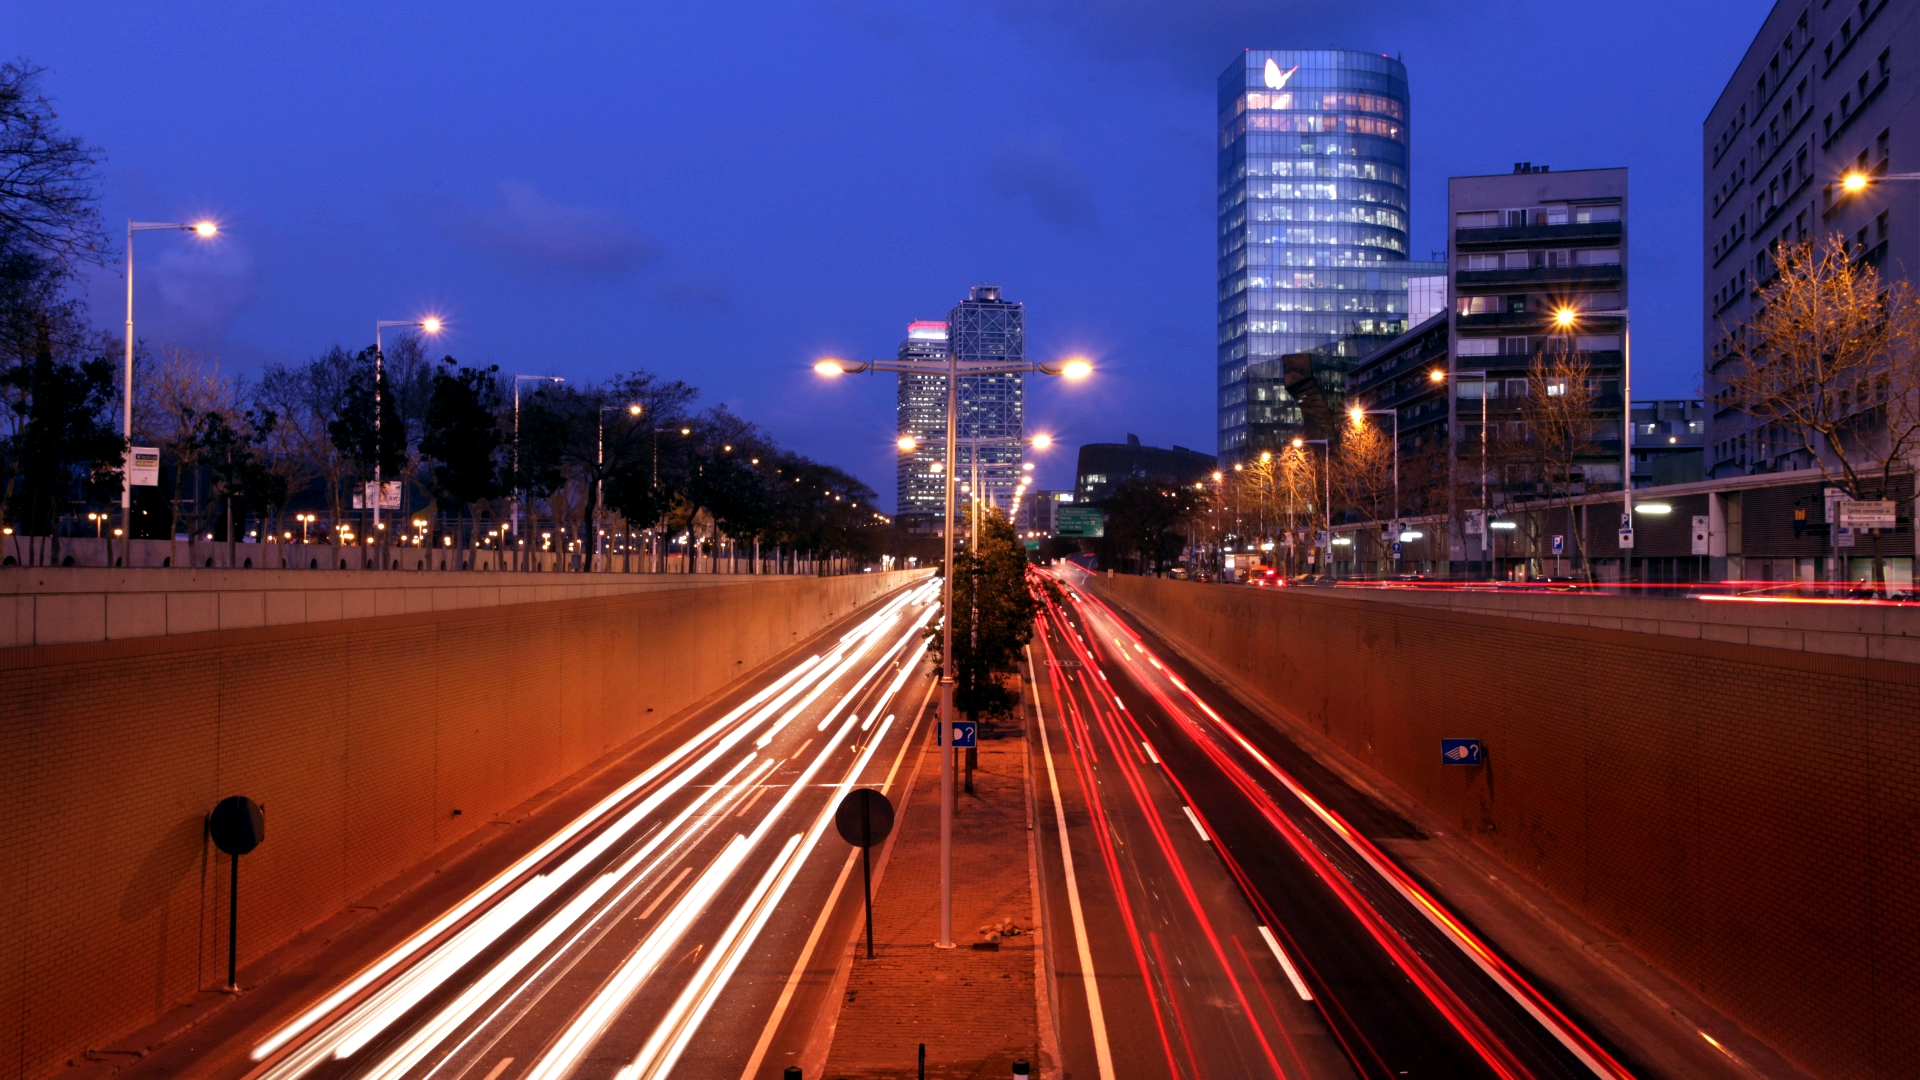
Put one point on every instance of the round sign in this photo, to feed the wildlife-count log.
(864, 817)
(237, 825)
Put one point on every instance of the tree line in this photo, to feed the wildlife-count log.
(566, 462)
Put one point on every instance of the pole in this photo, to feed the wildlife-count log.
(519, 494)
(126, 425)
(866, 869)
(1486, 507)
(946, 674)
(378, 369)
(233, 926)
(1626, 443)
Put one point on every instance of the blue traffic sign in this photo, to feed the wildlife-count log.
(965, 734)
(1459, 751)
(1559, 544)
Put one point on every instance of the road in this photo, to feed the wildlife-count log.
(1235, 910)
(662, 932)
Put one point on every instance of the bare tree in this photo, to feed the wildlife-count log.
(307, 399)
(48, 193)
(1558, 416)
(183, 387)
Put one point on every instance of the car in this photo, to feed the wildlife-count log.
(1265, 575)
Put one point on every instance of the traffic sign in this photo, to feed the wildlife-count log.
(965, 733)
(1626, 532)
(1700, 534)
(1080, 521)
(863, 819)
(1459, 751)
(1867, 514)
(1396, 549)
(1559, 543)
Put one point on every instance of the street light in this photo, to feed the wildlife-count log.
(204, 230)
(1564, 318)
(1075, 368)
(1359, 416)
(599, 464)
(520, 494)
(432, 326)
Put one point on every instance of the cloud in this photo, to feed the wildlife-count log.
(532, 232)
(1039, 172)
(696, 296)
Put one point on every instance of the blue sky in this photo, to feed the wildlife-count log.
(721, 192)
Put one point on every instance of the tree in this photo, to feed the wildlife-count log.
(307, 400)
(993, 620)
(366, 445)
(183, 387)
(1558, 416)
(59, 442)
(1148, 521)
(48, 198)
(461, 435)
(242, 481)
(1363, 471)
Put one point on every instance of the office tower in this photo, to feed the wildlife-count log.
(1313, 198)
(992, 407)
(1809, 103)
(921, 414)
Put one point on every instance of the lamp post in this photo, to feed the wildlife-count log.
(431, 325)
(599, 466)
(1486, 515)
(1074, 368)
(519, 492)
(1359, 416)
(204, 230)
(1326, 498)
(1564, 320)
(908, 444)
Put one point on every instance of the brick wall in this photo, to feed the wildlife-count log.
(361, 738)
(1746, 818)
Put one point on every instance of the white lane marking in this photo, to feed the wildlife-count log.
(1102, 1053)
(1286, 965)
(666, 892)
(494, 1073)
(1151, 756)
(1195, 818)
(759, 791)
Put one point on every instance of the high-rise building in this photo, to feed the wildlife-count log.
(992, 407)
(1313, 201)
(1811, 101)
(921, 413)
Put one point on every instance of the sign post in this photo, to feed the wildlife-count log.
(237, 825)
(863, 819)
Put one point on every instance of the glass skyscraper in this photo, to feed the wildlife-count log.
(1313, 222)
(993, 411)
(921, 412)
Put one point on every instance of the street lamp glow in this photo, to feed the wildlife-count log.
(205, 228)
(830, 368)
(1564, 317)
(431, 324)
(1298, 443)
(908, 443)
(1854, 181)
(1041, 442)
(1437, 375)
(1266, 456)
(1076, 368)
(633, 410)
(1026, 466)
(1357, 415)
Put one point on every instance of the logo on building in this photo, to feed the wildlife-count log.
(1277, 79)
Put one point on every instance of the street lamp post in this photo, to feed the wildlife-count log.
(1074, 368)
(599, 468)
(519, 491)
(202, 229)
(432, 326)
(1564, 319)
(1359, 416)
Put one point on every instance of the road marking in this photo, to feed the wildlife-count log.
(1102, 1053)
(1195, 818)
(664, 893)
(494, 1074)
(1286, 965)
(1151, 756)
(802, 750)
(757, 792)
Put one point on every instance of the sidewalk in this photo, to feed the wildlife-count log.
(975, 1009)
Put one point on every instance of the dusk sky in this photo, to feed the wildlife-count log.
(722, 192)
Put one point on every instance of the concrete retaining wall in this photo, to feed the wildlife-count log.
(373, 743)
(1747, 818)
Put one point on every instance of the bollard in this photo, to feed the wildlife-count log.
(1021, 1068)
(923, 1061)
(792, 1073)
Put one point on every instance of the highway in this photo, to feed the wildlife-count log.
(662, 932)
(1228, 896)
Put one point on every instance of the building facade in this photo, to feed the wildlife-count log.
(921, 414)
(1668, 439)
(1313, 222)
(1103, 467)
(992, 418)
(1812, 100)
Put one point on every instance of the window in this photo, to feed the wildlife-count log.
(1880, 226)
(1514, 346)
(1598, 256)
(1472, 389)
(1598, 342)
(1556, 388)
(1478, 219)
(1560, 257)
(1480, 305)
(1880, 143)
(1479, 262)
(1585, 214)
(1485, 346)
(1516, 305)
(1516, 260)
(1886, 63)
(1516, 388)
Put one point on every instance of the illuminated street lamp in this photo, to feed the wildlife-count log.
(1073, 368)
(600, 461)
(519, 493)
(1564, 319)
(204, 230)
(432, 326)
(1359, 417)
